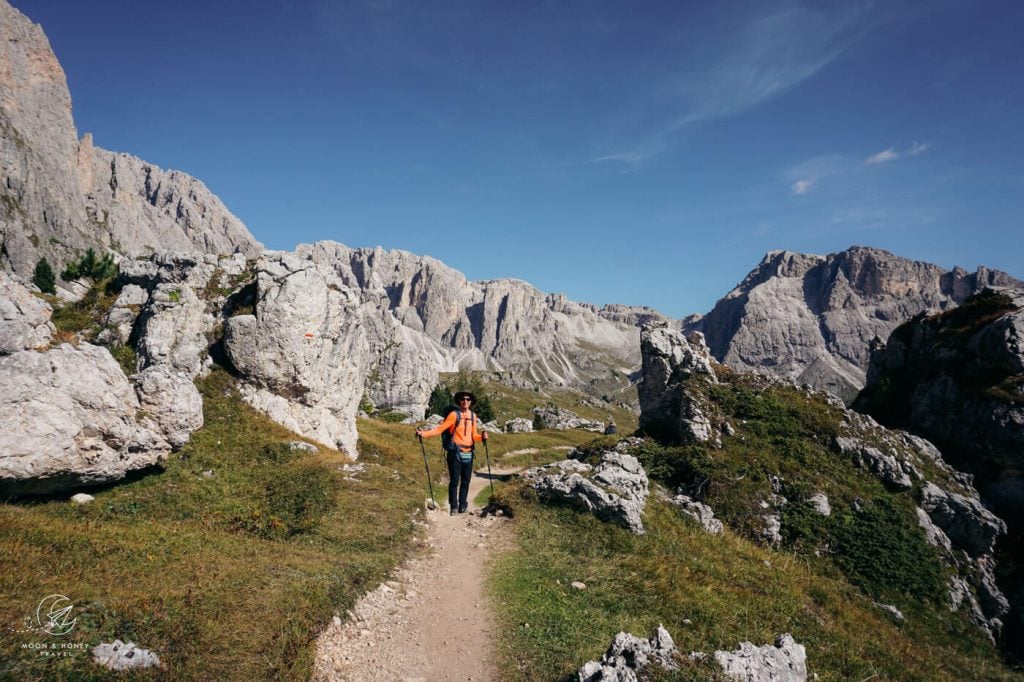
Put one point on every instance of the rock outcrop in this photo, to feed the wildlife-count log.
(78, 421)
(561, 419)
(958, 378)
(614, 490)
(698, 511)
(785, 661)
(811, 318)
(629, 655)
(303, 353)
(630, 658)
(669, 408)
(59, 195)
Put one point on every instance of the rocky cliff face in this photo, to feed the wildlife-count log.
(958, 379)
(59, 195)
(812, 318)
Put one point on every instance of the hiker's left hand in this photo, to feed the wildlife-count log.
(483, 436)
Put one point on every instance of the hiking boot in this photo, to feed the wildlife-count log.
(463, 508)
(451, 513)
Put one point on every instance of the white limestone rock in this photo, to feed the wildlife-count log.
(24, 318)
(561, 419)
(303, 356)
(519, 425)
(699, 512)
(175, 330)
(171, 403)
(669, 409)
(628, 656)
(819, 503)
(786, 661)
(118, 655)
(615, 490)
(812, 318)
(76, 417)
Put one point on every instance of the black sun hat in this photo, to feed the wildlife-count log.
(464, 394)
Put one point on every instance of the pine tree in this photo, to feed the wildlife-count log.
(44, 278)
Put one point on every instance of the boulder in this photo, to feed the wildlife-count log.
(77, 417)
(699, 512)
(118, 655)
(819, 503)
(615, 490)
(561, 419)
(519, 425)
(24, 318)
(785, 661)
(628, 655)
(302, 356)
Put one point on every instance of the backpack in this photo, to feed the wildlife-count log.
(447, 437)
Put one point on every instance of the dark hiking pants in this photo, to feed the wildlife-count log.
(459, 473)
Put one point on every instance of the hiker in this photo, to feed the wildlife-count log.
(610, 430)
(460, 427)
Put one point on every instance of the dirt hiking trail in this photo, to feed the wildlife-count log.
(432, 620)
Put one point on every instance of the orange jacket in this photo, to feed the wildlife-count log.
(465, 436)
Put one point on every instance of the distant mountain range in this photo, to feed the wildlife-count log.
(812, 318)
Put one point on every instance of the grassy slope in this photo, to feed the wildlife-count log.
(820, 586)
(224, 577)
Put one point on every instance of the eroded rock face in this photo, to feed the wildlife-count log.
(303, 354)
(811, 318)
(76, 416)
(24, 318)
(61, 195)
(963, 519)
(957, 379)
(500, 325)
(669, 408)
(615, 490)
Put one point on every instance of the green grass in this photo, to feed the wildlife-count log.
(722, 585)
(225, 577)
(819, 586)
(509, 402)
(83, 319)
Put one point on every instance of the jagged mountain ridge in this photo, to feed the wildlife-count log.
(811, 318)
(515, 327)
(60, 195)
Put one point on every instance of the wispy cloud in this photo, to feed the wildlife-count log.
(725, 75)
(890, 154)
(803, 186)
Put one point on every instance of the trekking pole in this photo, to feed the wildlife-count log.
(490, 478)
(430, 484)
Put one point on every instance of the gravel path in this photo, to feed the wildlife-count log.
(432, 620)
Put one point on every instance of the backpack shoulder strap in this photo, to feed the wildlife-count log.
(458, 418)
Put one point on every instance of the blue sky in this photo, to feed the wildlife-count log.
(628, 152)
